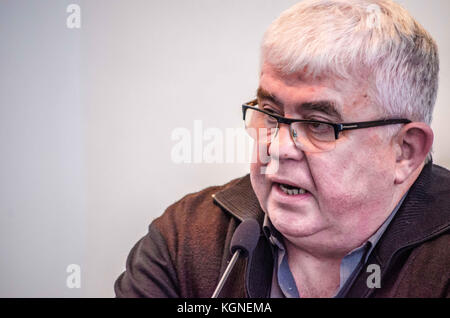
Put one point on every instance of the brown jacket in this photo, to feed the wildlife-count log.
(187, 248)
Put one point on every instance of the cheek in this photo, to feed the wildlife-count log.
(349, 183)
(259, 183)
(256, 166)
(258, 169)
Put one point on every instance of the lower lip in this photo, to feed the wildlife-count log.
(280, 194)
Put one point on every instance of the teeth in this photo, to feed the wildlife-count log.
(296, 191)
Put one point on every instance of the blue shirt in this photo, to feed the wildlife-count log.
(283, 283)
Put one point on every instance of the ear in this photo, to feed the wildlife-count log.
(413, 143)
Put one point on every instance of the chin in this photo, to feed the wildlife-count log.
(295, 225)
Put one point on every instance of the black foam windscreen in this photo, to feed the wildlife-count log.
(245, 237)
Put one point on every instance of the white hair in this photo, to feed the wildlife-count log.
(376, 40)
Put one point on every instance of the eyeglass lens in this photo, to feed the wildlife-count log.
(310, 137)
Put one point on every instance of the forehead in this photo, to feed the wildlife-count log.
(299, 84)
(350, 98)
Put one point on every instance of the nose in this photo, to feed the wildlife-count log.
(283, 146)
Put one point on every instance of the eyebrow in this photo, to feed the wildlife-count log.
(262, 94)
(324, 106)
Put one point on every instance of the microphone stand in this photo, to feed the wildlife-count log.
(226, 273)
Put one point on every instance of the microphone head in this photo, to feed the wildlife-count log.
(245, 237)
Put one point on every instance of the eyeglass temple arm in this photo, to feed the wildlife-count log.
(369, 124)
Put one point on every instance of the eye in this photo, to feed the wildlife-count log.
(272, 111)
(270, 121)
(319, 128)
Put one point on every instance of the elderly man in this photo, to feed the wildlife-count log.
(348, 199)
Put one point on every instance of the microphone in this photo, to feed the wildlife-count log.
(243, 243)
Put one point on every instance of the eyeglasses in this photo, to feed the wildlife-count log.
(308, 135)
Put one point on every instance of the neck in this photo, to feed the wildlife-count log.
(315, 275)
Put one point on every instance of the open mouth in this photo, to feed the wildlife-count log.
(291, 190)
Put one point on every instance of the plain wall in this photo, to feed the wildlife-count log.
(43, 192)
(87, 117)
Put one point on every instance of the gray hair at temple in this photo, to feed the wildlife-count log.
(375, 40)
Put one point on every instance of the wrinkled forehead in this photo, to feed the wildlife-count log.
(346, 96)
(355, 81)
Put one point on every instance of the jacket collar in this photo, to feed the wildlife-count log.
(423, 215)
(240, 200)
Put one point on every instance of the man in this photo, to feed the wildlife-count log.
(349, 202)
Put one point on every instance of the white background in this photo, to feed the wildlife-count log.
(86, 117)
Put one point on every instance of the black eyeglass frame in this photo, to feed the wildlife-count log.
(338, 127)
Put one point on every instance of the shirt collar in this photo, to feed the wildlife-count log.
(373, 240)
(271, 233)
